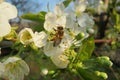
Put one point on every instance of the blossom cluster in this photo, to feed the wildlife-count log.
(61, 28)
(13, 68)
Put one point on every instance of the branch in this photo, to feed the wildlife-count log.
(103, 41)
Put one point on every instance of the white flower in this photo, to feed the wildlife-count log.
(73, 24)
(40, 39)
(85, 20)
(57, 18)
(61, 61)
(80, 6)
(7, 11)
(26, 36)
(86, 23)
(14, 69)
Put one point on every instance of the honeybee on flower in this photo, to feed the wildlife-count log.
(59, 34)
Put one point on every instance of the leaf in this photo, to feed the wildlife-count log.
(66, 2)
(34, 17)
(86, 49)
(38, 27)
(40, 18)
(1, 38)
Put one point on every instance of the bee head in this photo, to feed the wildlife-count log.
(60, 28)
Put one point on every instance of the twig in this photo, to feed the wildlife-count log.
(103, 41)
(114, 73)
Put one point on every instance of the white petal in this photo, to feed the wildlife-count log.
(4, 26)
(66, 41)
(60, 61)
(85, 20)
(82, 19)
(26, 35)
(8, 10)
(24, 67)
(50, 50)
(80, 5)
(11, 60)
(50, 21)
(75, 29)
(40, 39)
(61, 21)
(58, 10)
(70, 20)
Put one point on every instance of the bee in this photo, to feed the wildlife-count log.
(59, 34)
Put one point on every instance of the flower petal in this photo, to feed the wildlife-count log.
(59, 8)
(84, 20)
(4, 26)
(26, 35)
(50, 50)
(80, 6)
(60, 61)
(8, 10)
(40, 39)
(50, 21)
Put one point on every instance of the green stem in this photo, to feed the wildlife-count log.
(20, 51)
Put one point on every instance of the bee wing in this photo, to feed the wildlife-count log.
(56, 42)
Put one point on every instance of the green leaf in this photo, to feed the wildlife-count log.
(86, 49)
(1, 38)
(39, 18)
(38, 27)
(117, 27)
(66, 2)
(34, 17)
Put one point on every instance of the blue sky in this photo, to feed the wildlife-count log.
(41, 5)
(52, 3)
